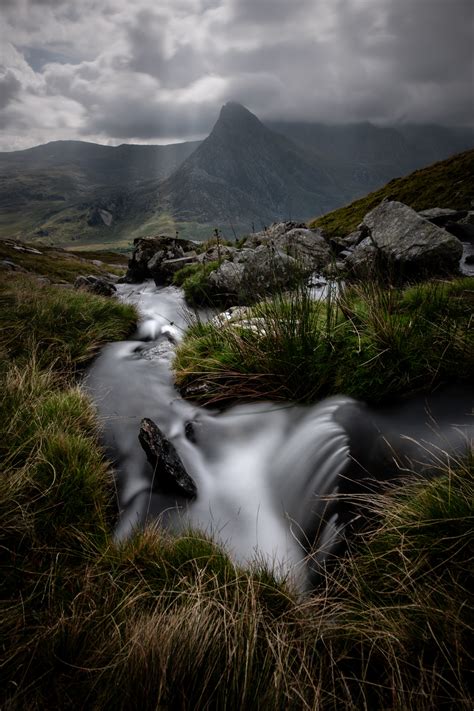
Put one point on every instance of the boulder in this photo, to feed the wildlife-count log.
(440, 216)
(170, 476)
(149, 253)
(252, 274)
(271, 233)
(96, 285)
(217, 254)
(403, 245)
(169, 267)
(10, 266)
(308, 247)
(463, 230)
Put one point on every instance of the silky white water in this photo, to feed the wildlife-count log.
(266, 475)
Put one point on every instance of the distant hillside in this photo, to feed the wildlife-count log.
(245, 175)
(363, 156)
(448, 184)
(62, 191)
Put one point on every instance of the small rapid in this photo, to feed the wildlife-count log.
(267, 475)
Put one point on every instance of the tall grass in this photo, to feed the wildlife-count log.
(367, 341)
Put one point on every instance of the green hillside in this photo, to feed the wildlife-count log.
(447, 184)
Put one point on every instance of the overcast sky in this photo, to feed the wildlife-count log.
(157, 71)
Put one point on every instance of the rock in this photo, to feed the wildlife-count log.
(403, 245)
(339, 244)
(10, 266)
(224, 283)
(148, 255)
(308, 247)
(253, 273)
(469, 259)
(215, 254)
(96, 285)
(462, 230)
(277, 229)
(169, 267)
(23, 248)
(440, 216)
(170, 475)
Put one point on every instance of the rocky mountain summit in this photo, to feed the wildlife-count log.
(246, 172)
(393, 242)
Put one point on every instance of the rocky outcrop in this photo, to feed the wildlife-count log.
(149, 254)
(403, 245)
(270, 260)
(170, 475)
(96, 285)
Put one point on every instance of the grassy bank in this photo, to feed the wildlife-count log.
(162, 623)
(366, 341)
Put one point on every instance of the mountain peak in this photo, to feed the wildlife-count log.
(234, 115)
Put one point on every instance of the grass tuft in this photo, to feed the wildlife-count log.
(367, 341)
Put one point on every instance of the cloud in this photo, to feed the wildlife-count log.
(155, 70)
(9, 88)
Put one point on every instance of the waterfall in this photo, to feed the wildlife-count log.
(267, 475)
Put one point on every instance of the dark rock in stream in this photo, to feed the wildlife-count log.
(170, 474)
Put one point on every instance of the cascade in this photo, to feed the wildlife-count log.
(269, 477)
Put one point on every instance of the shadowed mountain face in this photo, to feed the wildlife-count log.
(244, 172)
(244, 175)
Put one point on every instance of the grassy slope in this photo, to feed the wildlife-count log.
(445, 184)
(59, 265)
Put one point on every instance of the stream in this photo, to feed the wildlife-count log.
(271, 478)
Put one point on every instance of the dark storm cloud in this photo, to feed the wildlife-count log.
(147, 36)
(9, 88)
(158, 69)
(269, 11)
(154, 121)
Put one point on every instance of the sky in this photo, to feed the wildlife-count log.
(158, 71)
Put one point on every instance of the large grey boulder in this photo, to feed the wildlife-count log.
(253, 273)
(403, 245)
(308, 247)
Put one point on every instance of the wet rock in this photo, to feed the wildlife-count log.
(96, 285)
(170, 475)
(440, 216)
(462, 230)
(403, 245)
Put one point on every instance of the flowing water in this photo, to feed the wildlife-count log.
(266, 475)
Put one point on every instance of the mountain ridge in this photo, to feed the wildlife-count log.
(245, 174)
